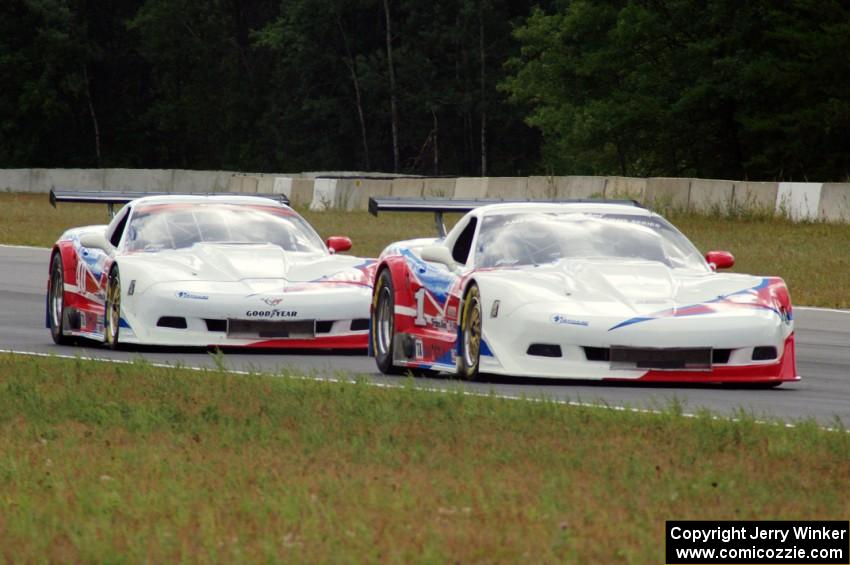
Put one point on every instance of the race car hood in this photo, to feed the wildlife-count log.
(618, 288)
(250, 263)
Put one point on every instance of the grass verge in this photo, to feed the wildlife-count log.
(811, 257)
(103, 462)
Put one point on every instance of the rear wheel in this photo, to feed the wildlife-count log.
(383, 323)
(471, 321)
(112, 310)
(56, 301)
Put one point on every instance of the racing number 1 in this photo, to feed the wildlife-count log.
(420, 307)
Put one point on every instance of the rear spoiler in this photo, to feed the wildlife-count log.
(442, 205)
(113, 197)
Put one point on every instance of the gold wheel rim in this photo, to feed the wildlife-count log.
(113, 315)
(472, 332)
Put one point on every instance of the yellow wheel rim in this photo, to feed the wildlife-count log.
(472, 330)
(113, 313)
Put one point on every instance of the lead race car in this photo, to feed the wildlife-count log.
(211, 270)
(583, 289)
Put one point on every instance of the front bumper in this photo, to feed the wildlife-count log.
(735, 334)
(207, 314)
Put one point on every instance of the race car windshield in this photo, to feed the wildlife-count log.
(175, 226)
(539, 238)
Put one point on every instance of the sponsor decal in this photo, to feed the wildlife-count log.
(272, 301)
(190, 295)
(442, 324)
(451, 312)
(273, 313)
(562, 319)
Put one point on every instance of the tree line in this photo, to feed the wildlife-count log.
(711, 88)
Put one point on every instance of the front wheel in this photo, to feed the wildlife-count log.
(112, 310)
(383, 324)
(471, 336)
(56, 301)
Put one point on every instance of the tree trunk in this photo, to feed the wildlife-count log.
(436, 142)
(358, 99)
(93, 116)
(483, 91)
(393, 107)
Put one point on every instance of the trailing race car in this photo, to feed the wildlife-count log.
(213, 270)
(583, 289)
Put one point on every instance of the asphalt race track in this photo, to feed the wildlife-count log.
(823, 360)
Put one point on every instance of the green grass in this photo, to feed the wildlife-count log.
(114, 463)
(812, 257)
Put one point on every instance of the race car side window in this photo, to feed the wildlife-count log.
(118, 230)
(463, 243)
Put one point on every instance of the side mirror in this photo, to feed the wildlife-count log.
(96, 240)
(338, 244)
(720, 259)
(438, 254)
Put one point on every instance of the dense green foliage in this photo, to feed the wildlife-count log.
(642, 87)
(712, 88)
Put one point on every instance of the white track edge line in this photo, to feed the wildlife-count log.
(819, 309)
(465, 392)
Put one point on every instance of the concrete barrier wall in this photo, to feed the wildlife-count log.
(42, 180)
(408, 188)
(15, 180)
(324, 194)
(834, 202)
(541, 188)
(799, 200)
(509, 188)
(579, 187)
(628, 188)
(137, 180)
(756, 196)
(471, 187)
(439, 188)
(351, 191)
(200, 181)
(711, 195)
(662, 192)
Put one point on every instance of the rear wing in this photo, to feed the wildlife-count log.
(442, 205)
(113, 197)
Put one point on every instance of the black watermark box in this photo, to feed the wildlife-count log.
(757, 542)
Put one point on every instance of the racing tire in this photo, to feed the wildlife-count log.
(56, 301)
(112, 310)
(471, 321)
(382, 334)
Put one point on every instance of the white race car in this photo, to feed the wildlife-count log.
(589, 290)
(174, 270)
